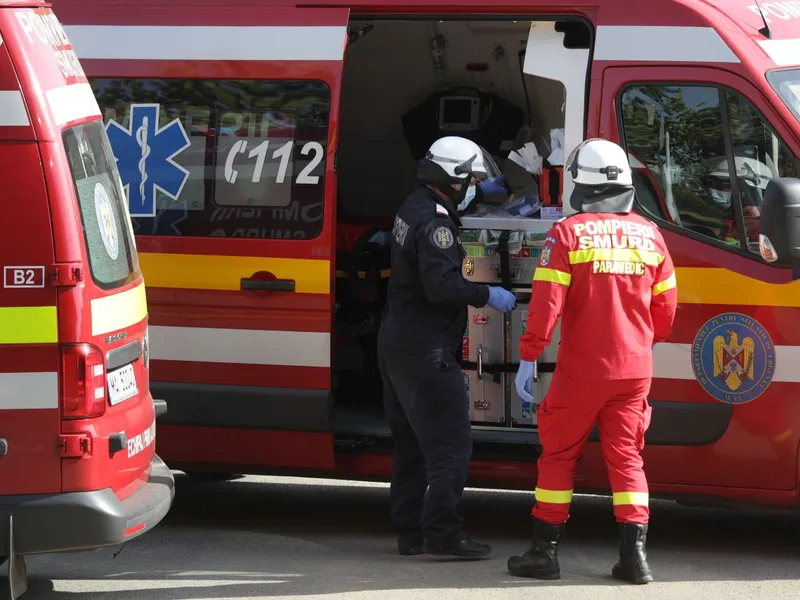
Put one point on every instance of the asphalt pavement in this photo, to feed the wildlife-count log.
(268, 537)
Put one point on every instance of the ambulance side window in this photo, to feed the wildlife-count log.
(760, 155)
(675, 143)
(220, 158)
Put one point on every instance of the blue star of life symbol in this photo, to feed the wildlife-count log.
(145, 154)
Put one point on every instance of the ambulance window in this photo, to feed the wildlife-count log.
(676, 133)
(760, 155)
(106, 226)
(227, 158)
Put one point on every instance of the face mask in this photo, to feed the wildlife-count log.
(469, 197)
(723, 198)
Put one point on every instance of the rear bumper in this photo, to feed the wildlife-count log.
(85, 520)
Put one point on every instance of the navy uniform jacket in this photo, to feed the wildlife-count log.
(428, 295)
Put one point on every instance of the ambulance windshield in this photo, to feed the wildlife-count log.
(106, 224)
(787, 84)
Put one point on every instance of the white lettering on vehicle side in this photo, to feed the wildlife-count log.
(780, 10)
(48, 30)
(138, 443)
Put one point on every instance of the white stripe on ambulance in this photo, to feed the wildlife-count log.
(142, 441)
(240, 346)
(207, 43)
(784, 53)
(12, 109)
(661, 43)
(28, 391)
(308, 349)
(674, 361)
(617, 43)
(72, 103)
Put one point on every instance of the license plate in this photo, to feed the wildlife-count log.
(121, 385)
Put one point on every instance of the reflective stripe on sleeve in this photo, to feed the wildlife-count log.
(664, 286)
(631, 498)
(28, 325)
(552, 276)
(647, 257)
(553, 496)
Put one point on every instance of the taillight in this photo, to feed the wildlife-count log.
(84, 383)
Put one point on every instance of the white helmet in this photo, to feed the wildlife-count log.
(599, 162)
(452, 159)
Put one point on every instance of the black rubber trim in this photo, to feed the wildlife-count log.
(124, 355)
(684, 423)
(85, 520)
(160, 407)
(244, 407)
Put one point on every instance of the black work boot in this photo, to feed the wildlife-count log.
(632, 565)
(541, 560)
(461, 546)
(410, 544)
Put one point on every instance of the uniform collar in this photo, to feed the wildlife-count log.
(442, 208)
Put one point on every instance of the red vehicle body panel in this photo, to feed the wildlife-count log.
(194, 282)
(52, 304)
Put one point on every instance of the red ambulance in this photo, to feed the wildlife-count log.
(250, 135)
(78, 469)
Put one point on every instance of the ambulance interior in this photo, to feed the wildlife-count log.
(405, 84)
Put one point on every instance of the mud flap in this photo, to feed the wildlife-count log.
(17, 569)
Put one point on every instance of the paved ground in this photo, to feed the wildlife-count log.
(282, 538)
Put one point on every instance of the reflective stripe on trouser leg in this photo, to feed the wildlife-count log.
(552, 506)
(565, 418)
(623, 422)
(632, 507)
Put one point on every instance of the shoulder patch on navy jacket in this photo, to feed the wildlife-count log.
(441, 210)
(442, 237)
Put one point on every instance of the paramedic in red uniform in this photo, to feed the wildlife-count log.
(609, 273)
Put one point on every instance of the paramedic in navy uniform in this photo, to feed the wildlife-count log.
(418, 350)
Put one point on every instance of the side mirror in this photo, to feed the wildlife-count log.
(779, 223)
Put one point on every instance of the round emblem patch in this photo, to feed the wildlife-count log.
(443, 237)
(733, 358)
(106, 221)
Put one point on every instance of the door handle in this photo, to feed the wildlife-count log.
(276, 285)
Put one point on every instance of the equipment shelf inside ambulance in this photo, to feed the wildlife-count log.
(500, 84)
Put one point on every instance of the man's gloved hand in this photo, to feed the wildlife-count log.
(501, 299)
(524, 380)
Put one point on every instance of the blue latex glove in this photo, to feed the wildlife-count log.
(501, 299)
(494, 186)
(524, 380)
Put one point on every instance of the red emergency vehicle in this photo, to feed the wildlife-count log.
(78, 469)
(266, 356)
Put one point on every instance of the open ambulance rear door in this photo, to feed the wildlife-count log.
(223, 123)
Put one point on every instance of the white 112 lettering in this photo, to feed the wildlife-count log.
(284, 153)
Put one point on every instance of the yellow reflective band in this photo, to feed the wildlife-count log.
(668, 284)
(219, 272)
(28, 325)
(647, 257)
(553, 496)
(119, 311)
(634, 498)
(552, 276)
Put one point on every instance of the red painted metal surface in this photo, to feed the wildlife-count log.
(755, 460)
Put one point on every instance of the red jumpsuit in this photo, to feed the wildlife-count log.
(610, 278)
